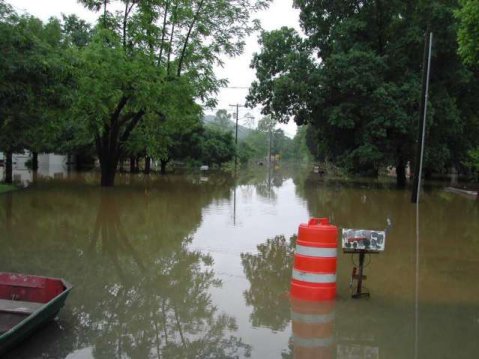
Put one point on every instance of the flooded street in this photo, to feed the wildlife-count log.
(199, 266)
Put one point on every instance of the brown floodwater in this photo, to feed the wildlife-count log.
(199, 266)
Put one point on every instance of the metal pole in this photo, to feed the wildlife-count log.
(359, 290)
(236, 131)
(270, 145)
(416, 301)
(422, 129)
(426, 97)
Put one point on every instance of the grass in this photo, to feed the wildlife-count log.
(7, 188)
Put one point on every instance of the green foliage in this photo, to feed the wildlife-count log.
(131, 84)
(258, 143)
(283, 68)
(77, 32)
(472, 162)
(33, 81)
(226, 122)
(146, 66)
(217, 147)
(245, 152)
(222, 122)
(300, 145)
(468, 31)
(361, 96)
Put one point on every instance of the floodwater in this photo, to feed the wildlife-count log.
(199, 266)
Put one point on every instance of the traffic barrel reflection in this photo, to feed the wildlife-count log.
(313, 329)
(315, 260)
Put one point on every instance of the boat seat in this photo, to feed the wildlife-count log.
(18, 306)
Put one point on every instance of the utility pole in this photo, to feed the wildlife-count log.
(236, 160)
(236, 130)
(270, 144)
(237, 118)
(422, 118)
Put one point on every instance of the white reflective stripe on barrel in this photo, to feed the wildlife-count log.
(316, 251)
(312, 318)
(313, 342)
(314, 277)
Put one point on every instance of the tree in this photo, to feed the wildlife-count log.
(356, 80)
(147, 58)
(222, 121)
(473, 162)
(175, 138)
(283, 68)
(300, 145)
(217, 147)
(77, 32)
(33, 81)
(468, 33)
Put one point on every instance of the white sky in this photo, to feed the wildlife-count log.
(236, 70)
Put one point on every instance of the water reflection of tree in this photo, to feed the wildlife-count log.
(265, 188)
(110, 235)
(139, 290)
(354, 205)
(268, 272)
(161, 303)
(167, 312)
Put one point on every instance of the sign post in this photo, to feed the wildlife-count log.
(362, 242)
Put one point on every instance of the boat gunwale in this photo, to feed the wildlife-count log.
(30, 317)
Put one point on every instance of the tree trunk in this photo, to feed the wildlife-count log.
(401, 173)
(137, 164)
(147, 165)
(108, 164)
(109, 145)
(34, 161)
(108, 171)
(163, 164)
(8, 167)
(133, 164)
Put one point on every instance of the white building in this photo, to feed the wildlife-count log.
(49, 165)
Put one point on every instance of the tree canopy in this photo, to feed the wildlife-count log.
(34, 78)
(149, 64)
(468, 31)
(356, 79)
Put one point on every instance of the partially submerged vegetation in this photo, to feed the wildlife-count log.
(128, 87)
(355, 78)
(134, 85)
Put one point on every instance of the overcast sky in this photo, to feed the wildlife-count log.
(236, 70)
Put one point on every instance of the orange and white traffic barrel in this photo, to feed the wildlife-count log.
(313, 329)
(315, 260)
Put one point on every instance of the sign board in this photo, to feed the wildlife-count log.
(363, 239)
